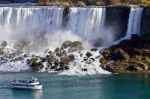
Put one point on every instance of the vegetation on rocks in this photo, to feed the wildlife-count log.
(21, 45)
(57, 60)
(1, 51)
(35, 64)
(73, 46)
(128, 56)
(66, 3)
(50, 58)
(119, 54)
(83, 3)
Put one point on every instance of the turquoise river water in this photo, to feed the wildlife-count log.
(119, 86)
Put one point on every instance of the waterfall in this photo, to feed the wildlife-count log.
(85, 24)
(88, 23)
(34, 22)
(134, 23)
(42, 28)
(30, 23)
(31, 20)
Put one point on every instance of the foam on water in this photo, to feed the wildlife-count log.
(81, 66)
(14, 66)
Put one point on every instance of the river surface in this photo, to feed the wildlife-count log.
(119, 86)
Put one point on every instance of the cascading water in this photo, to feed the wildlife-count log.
(43, 27)
(30, 23)
(134, 22)
(35, 20)
(88, 23)
(38, 23)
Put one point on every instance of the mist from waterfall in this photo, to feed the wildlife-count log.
(42, 29)
(43, 26)
(32, 24)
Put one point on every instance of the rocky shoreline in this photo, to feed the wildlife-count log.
(69, 59)
(58, 59)
(129, 56)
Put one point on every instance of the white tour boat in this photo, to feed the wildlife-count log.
(26, 84)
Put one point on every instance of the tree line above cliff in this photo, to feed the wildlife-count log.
(86, 2)
(96, 2)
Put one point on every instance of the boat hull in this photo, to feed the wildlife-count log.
(29, 87)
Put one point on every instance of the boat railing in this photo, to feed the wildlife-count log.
(25, 85)
(25, 81)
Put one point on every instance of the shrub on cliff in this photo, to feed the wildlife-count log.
(66, 4)
(120, 66)
(103, 61)
(66, 44)
(72, 46)
(116, 67)
(100, 3)
(63, 64)
(145, 2)
(119, 54)
(81, 4)
(35, 65)
(77, 44)
(1, 51)
(42, 2)
(106, 53)
(146, 60)
(64, 61)
(50, 58)
(21, 45)
(137, 66)
(138, 58)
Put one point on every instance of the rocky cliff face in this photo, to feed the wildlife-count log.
(145, 23)
(129, 56)
(117, 20)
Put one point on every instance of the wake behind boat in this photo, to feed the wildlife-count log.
(26, 84)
